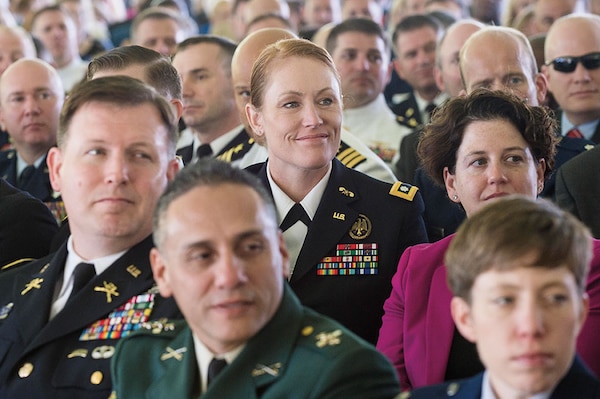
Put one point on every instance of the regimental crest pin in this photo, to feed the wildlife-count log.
(361, 228)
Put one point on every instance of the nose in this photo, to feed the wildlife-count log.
(116, 170)
(581, 74)
(186, 87)
(362, 63)
(311, 116)
(31, 105)
(163, 48)
(229, 273)
(496, 173)
(530, 319)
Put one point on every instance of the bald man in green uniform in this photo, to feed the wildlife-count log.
(220, 254)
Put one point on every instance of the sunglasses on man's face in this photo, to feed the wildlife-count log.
(568, 64)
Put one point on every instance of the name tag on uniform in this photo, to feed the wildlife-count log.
(350, 260)
(121, 321)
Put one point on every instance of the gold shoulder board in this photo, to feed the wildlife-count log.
(404, 190)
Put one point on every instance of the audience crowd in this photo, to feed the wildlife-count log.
(300, 199)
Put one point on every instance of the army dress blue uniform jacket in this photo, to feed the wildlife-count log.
(26, 226)
(355, 209)
(298, 354)
(578, 383)
(69, 356)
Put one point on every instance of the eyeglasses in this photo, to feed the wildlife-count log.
(568, 64)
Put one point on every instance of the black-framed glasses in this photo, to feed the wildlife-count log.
(568, 64)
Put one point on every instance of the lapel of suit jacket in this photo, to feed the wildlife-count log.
(96, 303)
(334, 218)
(180, 377)
(440, 327)
(265, 356)
(32, 303)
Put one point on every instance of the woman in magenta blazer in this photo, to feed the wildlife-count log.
(480, 147)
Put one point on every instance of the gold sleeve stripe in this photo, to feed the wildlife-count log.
(404, 190)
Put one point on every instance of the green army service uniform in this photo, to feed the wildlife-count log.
(298, 354)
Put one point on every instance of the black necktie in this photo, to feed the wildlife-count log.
(214, 368)
(429, 109)
(204, 151)
(25, 176)
(296, 213)
(82, 275)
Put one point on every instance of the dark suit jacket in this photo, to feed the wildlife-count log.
(577, 383)
(578, 188)
(355, 300)
(26, 225)
(417, 329)
(55, 359)
(595, 138)
(407, 164)
(291, 357)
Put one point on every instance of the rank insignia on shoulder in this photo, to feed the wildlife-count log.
(328, 339)
(404, 190)
(361, 228)
(262, 369)
(5, 310)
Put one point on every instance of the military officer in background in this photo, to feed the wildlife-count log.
(209, 109)
(220, 253)
(31, 95)
(61, 316)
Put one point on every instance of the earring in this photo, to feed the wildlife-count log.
(455, 197)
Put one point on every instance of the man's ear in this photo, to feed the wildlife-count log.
(159, 270)
(54, 161)
(461, 314)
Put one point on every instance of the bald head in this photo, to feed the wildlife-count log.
(31, 96)
(447, 73)
(245, 54)
(501, 58)
(22, 71)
